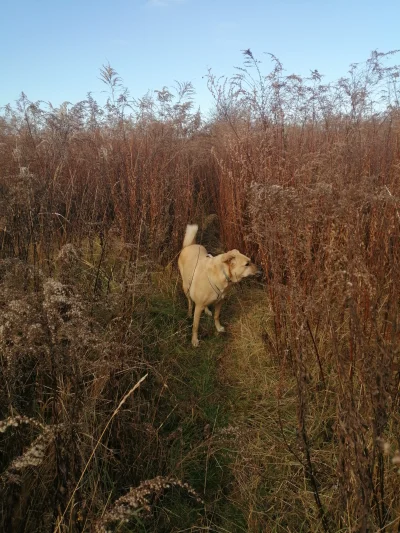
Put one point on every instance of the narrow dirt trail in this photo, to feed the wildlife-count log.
(251, 379)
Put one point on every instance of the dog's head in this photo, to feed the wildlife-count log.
(239, 266)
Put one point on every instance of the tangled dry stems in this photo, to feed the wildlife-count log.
(303, 176)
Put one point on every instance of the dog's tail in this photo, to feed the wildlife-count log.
(190, 235)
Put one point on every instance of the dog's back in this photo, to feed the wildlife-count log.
(190, 255)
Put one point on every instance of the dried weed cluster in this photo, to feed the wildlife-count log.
(137, 500)
(35, 454)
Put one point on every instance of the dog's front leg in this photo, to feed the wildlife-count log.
(217, 311)
(197, 314)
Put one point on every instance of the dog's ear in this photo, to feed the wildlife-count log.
(229, 256)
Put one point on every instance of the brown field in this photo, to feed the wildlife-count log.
(290, 422)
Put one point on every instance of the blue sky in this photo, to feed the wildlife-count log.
(52, 50)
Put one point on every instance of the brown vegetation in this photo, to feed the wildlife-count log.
(110, 421)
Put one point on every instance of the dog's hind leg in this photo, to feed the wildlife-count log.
(190, 307)
(197, 314)
(190, 304)
(217, 311)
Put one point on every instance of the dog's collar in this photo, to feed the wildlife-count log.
(228, 279)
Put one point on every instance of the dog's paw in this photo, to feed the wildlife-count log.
(220, 329)
(195, 342)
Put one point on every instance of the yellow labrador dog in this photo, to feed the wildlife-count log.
(207, 279)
